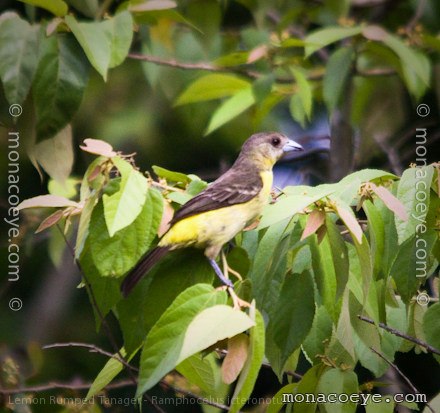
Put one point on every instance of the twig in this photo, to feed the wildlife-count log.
(191, 66)
(402, 335)
(408, 381)
(249, 73)
(417, 15)
(74, 385)
(93, 349)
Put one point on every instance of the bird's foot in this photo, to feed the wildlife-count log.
(238, 302)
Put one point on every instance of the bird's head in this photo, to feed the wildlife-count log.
(268, 147)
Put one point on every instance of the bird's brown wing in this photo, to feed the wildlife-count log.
(226, 191)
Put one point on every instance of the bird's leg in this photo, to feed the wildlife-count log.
(220, 275)
(227, 269)
(238, 302)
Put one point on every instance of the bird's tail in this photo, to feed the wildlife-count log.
(142, 267)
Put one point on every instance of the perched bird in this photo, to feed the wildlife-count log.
(224, 208)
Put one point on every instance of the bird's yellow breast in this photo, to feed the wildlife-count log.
(218, 226)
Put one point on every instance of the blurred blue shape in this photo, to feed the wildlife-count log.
(308, 167)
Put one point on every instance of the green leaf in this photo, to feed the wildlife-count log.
(293, 315)
(390, 246)
(321, 332)
(57, 7)
(106, 290)
(297, 110)
(396, 317)
(94, 41)
(18, 56)
(204, 372)
(197, 319)
(106, 44)
(176, 272)
(367, 175)
(415, 65)
(67, 189)
(59, 84)
(368, 333)
(265, 276)
(211, 325)
(308, 385)
(90, 198)
(120, 29)
(339, 382)
(324, 272)
(341, 346)
(304, 92)
(414, 192)
(110, 370)
(231, 108)
(339, 255)
(349, 219)
(171, 176)
(55, 155)
(383, 406)
(213, 86)
(114, 256)
(324, 37)
(376, 231)
(294, 202)
(121, 208)
(409, 267)
(431, 325)
(249, 373)
(179, 197)
(276, 404)
(336, 76)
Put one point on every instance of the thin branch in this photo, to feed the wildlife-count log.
(249, 73)
(408, 381)
(79, 386)
(417, 15)
(402, 335)
(191, 66)
(93, 349)
(74, 385)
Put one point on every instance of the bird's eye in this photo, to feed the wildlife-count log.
(275, 141)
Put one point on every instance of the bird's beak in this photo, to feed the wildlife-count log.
(292, 146)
